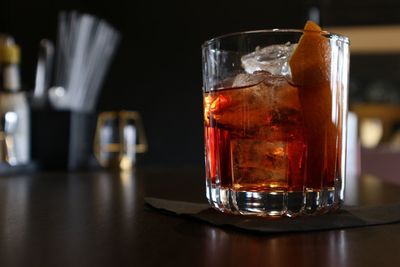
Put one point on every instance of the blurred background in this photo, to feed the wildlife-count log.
(157, 67)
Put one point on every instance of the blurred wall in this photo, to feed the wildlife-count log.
(157, 69)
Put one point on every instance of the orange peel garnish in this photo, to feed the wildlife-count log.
(310, 66)
(310, 62)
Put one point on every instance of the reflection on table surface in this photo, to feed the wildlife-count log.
(100, 219)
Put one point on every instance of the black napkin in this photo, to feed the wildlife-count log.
(347, 217)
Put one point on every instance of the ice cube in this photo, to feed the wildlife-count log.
(273, 58)
(250, 110)
(245, 79)
(258, 162)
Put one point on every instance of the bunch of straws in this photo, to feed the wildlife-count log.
(85, 48)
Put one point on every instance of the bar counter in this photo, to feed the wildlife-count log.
(100, 219)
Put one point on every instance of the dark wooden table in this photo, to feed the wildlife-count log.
(100, 219)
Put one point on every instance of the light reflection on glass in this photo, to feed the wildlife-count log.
(103, 190)
(16, 197)
(127, 185)
(271, 250)
(13, 215)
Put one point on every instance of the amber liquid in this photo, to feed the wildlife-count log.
(270, 137)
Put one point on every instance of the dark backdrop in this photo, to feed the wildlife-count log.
(157, 69)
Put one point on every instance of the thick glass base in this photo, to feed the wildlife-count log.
(321, 201)
(219, 198)
(274, 203)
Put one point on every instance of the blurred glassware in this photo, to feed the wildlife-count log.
(14, 108)
(119, 136)
(353, 164)
(8, 126)
(44, 71)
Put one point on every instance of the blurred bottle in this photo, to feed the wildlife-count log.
(14, 109)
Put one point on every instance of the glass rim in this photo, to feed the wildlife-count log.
(330, 35)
